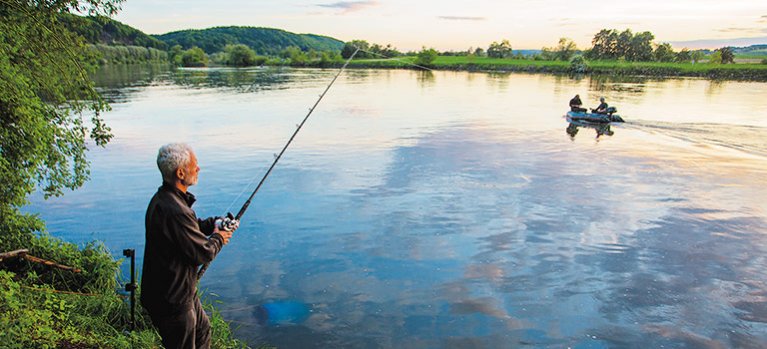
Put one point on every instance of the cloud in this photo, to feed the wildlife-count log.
(462, 18)
(763, 19)
(350, 6)
(740, 30)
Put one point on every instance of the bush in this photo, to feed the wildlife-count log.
(194, 57)
(426, 56)
(579, 65)
(240, 55)
(105, 54)
(35, 316)
(34, 313)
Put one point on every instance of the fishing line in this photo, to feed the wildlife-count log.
(277, 158)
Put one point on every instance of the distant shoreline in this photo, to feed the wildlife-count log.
(740, 71)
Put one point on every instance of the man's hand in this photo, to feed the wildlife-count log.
(225, 235)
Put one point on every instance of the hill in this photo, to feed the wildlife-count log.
(717, 43)
(107, 31)
(265, 41)
(751, 50)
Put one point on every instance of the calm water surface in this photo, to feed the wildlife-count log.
(452, 209)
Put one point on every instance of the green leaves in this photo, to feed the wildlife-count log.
(44, 90)
(500, 50)
(194, 57)
(241, 56)
(610, 45)
(426, 56)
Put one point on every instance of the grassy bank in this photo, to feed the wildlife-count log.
(745, 71)
(46, 307)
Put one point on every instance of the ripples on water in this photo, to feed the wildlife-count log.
(437, 210)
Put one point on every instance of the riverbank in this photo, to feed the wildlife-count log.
(76, 302)
(740, 71)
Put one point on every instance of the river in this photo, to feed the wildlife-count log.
(453, 209)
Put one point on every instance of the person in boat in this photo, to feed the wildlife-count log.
(177, 243)
(575, 104)
(602, 108)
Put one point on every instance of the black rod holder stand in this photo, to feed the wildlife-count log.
(131, 287)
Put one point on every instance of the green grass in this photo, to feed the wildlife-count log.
(42, 307)
(740, 71)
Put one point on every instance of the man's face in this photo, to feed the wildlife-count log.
(188, 174)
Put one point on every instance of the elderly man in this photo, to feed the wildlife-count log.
(177, 243)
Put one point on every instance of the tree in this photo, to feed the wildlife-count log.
(609, 44)
(563, 52)
(44, 91)
(502, 50)
(696, 56)
(640, 49)
(352, 46)
(175, 53)
(295, 55)
(715, 58)
(624, 46)
(194, 57)
(684, 56)
(240, 55)
(426, 56)
(664, 53)
(727, 55)
(566, 49)
(604, 45)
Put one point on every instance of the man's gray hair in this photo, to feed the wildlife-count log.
(171, 157)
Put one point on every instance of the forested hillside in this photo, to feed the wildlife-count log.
(106, 31)
(265, 41)
(753, 49)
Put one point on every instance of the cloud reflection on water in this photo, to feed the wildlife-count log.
(454, 212)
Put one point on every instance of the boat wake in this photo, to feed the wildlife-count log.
(748, 139)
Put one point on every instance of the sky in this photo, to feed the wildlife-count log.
(458, 25)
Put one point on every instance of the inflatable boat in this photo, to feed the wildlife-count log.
(609, 117)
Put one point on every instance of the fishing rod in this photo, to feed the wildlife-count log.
(229, 222)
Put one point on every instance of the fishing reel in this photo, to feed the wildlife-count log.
(228, 223)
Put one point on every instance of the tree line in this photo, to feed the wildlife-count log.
(115, 42)
(240, 55)
(609, 44)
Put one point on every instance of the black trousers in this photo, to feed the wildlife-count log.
(186, 330)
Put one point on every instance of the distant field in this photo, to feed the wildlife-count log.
(749, 70)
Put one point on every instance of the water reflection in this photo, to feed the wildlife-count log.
(453, 213)
(623, 84)
(128, 75)
(426, 78)
(601, 129)
(119, 83)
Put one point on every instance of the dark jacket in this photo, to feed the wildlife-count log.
(177, 243)
(575, 102)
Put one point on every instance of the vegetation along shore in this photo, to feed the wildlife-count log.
(613, 52)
